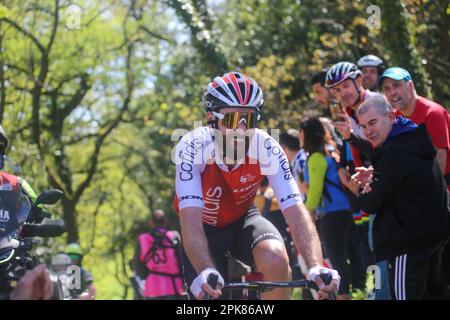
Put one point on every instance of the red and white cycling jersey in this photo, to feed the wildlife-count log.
(204, 181)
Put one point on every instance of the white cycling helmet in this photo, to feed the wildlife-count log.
(370, 61)
(61, 259)
(233, 89)
(340, 72)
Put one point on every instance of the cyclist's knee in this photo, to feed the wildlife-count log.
(272, 260)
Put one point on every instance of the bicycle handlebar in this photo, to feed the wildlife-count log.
(269, 285)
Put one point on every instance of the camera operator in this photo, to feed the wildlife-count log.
(34, 285)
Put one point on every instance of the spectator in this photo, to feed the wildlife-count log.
(408, 194)
(321, 93)
(326, 200)
(372, 68)
(156, 260)
(399, 89)
(345, 83)
(358, 246)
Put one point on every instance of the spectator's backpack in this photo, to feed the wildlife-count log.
(160, 254)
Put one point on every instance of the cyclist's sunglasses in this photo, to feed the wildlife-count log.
(231, 120)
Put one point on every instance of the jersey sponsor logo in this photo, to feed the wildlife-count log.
(286, 168)
(190, 197)
(281, 157)
(187, 157)
(284, 163)
(4, 220)
(4, 215)
(249, 187)
(211, 205)
(249, 194)
(247, 178)
(6, 187)
(291, 196)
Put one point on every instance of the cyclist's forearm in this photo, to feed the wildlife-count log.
(194, 239)
(304, 234)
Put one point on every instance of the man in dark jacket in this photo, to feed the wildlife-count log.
(408, 194)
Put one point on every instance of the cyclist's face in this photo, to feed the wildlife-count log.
(346, 92)
(236, 141)
(321, 94)
(397, 92)
(369, 78)
(376, 126)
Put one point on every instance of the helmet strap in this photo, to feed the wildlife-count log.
(357, 90)
(214, 123)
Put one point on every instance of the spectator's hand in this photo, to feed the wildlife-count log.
(344, 126)
(200, 285)
(345, 178)
(353, 186)
(366, 188)
(34, 285)
(333, 286)
(363, 178)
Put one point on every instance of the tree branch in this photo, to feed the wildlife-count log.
(154, 35)
(115, 122)
(25, 33)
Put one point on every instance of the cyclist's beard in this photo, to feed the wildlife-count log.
(235, 147)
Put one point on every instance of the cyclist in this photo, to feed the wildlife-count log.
(218, 171)
(87, 290)
(372, 68)
(60, 263)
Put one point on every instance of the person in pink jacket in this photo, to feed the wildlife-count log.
(156, 261)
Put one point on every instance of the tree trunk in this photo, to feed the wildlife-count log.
(70, 220)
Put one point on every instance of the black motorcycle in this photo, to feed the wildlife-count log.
(20, 222)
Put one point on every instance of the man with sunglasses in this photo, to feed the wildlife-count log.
(218, 171)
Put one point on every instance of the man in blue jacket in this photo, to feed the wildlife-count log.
(408, 194)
